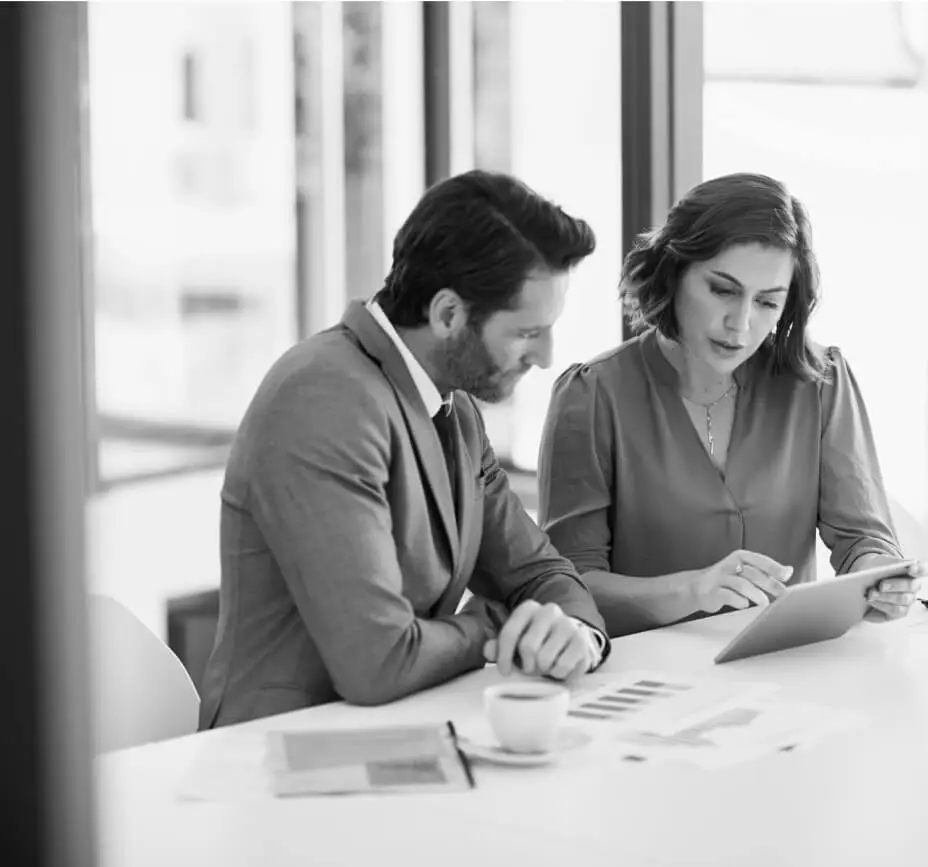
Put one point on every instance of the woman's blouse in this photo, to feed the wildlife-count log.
(626, 484)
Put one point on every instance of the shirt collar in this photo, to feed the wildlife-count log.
(423, 382)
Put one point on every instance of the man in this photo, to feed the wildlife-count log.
(362, 496)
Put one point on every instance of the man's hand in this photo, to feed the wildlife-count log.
(543, 640)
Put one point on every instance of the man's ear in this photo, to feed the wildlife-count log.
(447, 312)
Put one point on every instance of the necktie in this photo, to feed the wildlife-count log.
(445, 427)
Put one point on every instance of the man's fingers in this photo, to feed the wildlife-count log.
(562, 633)
(509, 635)
(572, 662)
(543, 620)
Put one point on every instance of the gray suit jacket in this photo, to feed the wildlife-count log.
(343, 560)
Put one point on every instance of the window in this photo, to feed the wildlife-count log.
(833, 100)
(216, 244)
(545, 96)
(191, 88)
(249, 71)
(192, 227)
(364, 206)
(492, 86)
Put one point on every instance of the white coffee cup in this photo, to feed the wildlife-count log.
(526, 716)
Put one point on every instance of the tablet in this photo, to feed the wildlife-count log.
(807, 613)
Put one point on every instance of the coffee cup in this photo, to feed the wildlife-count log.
(526, 716)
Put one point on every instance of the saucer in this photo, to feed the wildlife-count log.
(567, 739)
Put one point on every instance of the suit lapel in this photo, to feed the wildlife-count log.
(467, 508)
(379, 346)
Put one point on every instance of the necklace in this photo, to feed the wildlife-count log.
(710, 440)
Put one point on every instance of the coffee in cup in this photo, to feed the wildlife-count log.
(526, 716)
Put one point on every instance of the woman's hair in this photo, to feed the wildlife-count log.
(481, 234)
(715, 215)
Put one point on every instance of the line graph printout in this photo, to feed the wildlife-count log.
(738, 733)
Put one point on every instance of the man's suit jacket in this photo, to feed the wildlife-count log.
(343, 559)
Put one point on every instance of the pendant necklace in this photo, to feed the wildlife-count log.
(710, 440)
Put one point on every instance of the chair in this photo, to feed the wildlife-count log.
(141, 691)
(192, 623)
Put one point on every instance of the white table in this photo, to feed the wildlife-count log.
(860, 798)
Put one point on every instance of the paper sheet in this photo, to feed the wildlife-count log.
(656, 716)
(245, 766)
(227, 768)
(658, 701)
(738, 732)
(381, 759)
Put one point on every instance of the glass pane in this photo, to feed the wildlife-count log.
(192, 180)
(833, 100)
(547, 109)
(492, 86)
(224, 138)
(363, 149)
(310, 190)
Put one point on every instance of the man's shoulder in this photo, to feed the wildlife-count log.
(324, 384)
(331, 362)
(323, 401)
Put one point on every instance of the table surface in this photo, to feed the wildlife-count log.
(856, 798)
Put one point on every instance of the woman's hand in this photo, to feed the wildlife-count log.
(891, 598)
(739, 580)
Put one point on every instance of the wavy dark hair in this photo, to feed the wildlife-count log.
(481, 234)
(714, 215)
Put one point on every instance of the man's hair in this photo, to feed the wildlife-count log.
(711, 217)
(481, 234)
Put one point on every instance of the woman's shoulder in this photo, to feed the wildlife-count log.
(826, 358)
(607, 369)
(838, 382)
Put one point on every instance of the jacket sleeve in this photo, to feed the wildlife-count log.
(318, 494)
(517, 560)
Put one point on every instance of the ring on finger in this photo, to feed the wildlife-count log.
(739, 568)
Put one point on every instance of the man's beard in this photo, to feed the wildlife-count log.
(465, 363)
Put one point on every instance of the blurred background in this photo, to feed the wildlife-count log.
(248, 164)
(243, 167)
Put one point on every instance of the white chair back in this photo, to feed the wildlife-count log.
(141, 690)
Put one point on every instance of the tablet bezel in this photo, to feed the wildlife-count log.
(829, 607)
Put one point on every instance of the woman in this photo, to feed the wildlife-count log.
(689, 469)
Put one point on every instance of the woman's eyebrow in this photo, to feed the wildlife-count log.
(726, 276)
